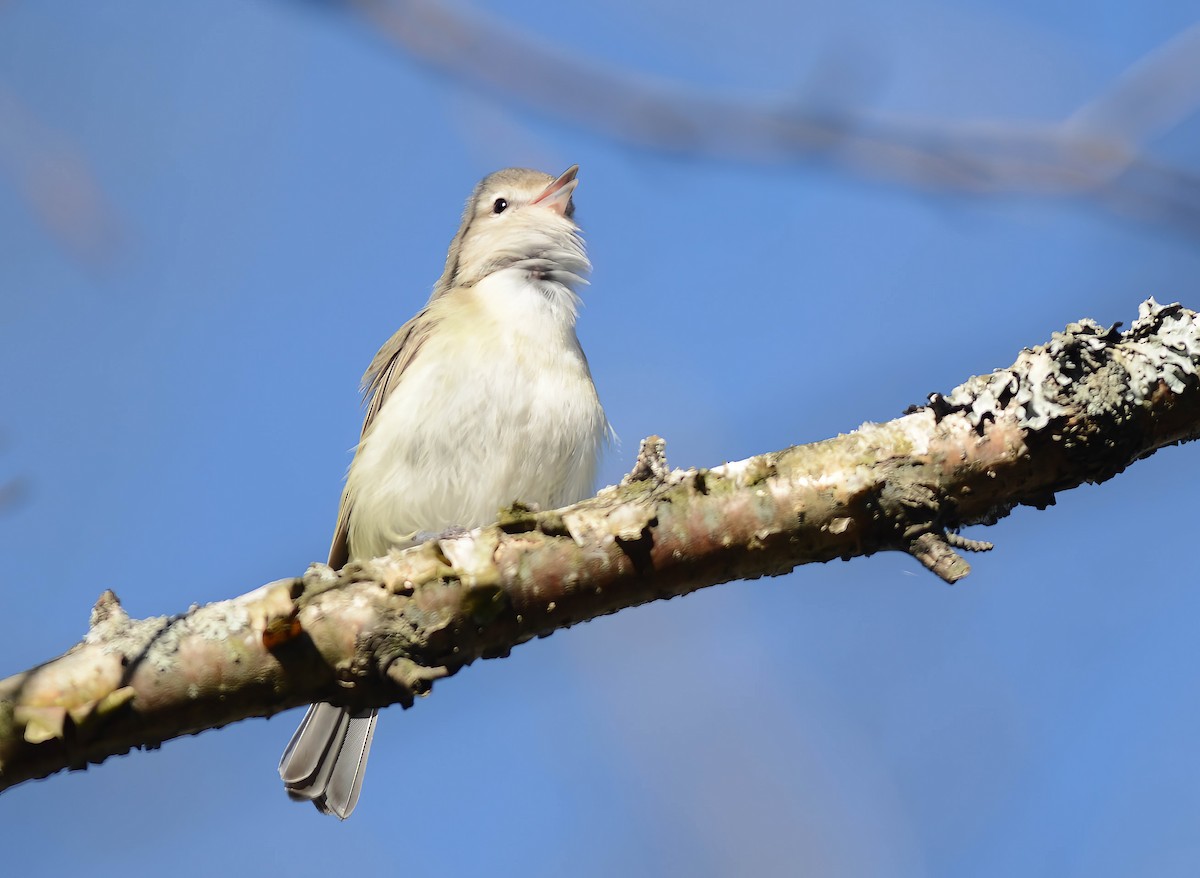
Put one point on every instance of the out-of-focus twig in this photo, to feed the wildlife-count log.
(1153, 96)
(57, 183)
(12, 494)
(1094, 152)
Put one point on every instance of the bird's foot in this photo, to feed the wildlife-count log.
(451, 533)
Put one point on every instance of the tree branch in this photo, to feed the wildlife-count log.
(1078, 409)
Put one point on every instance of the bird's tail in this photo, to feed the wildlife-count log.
(325, 760)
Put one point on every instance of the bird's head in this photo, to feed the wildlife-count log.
(518, 218)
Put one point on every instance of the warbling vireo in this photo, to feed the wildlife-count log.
(482, 399)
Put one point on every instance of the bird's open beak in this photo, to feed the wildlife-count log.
(557, 196)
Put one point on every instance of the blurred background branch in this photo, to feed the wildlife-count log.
(12, 493)
(13, 490)
(57, 184)
(1096, 152)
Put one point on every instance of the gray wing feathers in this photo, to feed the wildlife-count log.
(325, 760)
(380, 380)
(393, 358)
(339, 549)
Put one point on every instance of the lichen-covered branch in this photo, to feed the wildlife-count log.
(1078, 409)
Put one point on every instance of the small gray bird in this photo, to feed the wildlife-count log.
(482, 399)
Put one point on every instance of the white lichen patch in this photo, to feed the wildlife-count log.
(915, 430)
(1029, 389)
(1169, 352)
(1087, 368)
(593, 525)
(473, 556)
(736, 470)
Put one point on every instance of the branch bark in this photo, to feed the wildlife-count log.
(1077, 409)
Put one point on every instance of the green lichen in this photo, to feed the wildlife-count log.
(517, 518)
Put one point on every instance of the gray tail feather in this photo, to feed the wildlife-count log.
(325, 760)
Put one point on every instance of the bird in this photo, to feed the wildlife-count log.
(482, 399)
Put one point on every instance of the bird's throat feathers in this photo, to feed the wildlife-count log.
(545, 246)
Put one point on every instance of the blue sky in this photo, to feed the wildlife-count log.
(280, 186)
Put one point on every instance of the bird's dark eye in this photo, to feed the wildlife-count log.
(499, 206)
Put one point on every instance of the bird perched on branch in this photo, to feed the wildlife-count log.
(482, 399)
